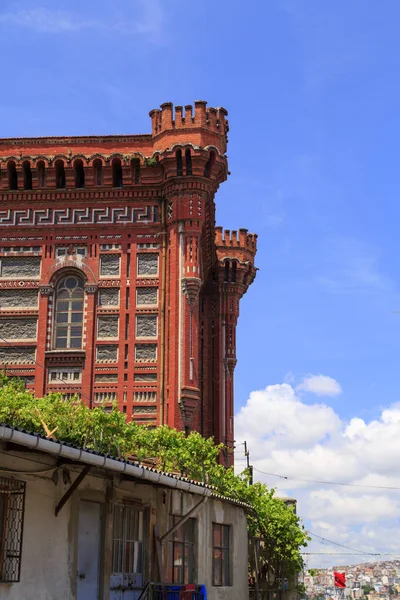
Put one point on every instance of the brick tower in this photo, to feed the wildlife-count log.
(115, 283)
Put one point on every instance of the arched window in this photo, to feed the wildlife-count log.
(79, 174)
(12, 175)
(188, 159)
(60, 174)
(68, 316)
(135, 167)
(41, 174)
(209, 164)
(117, 173)
(26, 169)
(179, 168)
(97, 171)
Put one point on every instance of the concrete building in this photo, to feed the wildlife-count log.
(115, 283)
(76, 525)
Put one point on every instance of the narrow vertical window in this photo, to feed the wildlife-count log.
(234, 267)
(97, 172)
(135, 168)
(181, 559)
(179, 167)
(188, 159)
(60, 175)
(127, 547)
(117, 173)
(209, 164)
(221, 563)
(68, 317)
(12, 175)
(26, 169)
(226, 272)
(79, 174)
(41, 174)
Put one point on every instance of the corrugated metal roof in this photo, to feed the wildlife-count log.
(173, 476)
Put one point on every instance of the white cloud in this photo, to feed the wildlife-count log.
(148, 21)
(312, 443)
(320, 385)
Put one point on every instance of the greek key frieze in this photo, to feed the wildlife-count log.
(78, 216)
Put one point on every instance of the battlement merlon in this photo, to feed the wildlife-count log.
(230, 240)
(206, 127)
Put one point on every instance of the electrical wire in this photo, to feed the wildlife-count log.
(32, 360)
(355, 485)
(340, 545)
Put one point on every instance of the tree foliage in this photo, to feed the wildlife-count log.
(170, 450)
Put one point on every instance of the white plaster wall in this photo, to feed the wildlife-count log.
(45, 563)
(48, 568)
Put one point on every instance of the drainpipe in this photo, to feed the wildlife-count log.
(163, 302)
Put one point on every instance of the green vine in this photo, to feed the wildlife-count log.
(151, 162)
(269, 519)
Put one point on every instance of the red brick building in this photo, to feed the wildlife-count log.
(114, 281)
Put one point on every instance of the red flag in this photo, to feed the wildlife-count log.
(340, 579)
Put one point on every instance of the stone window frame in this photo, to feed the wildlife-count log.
(143, 288)
(147, 276)
(107, 276)
(147, 337)
(19, 276)
(107, 316)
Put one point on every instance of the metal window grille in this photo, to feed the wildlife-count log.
(181, 561)
(127, 554)
(12, 505)
(221, 555)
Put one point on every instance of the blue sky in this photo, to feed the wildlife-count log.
(313, 95)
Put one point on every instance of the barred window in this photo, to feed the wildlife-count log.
(221, 570)
(12, 504)
(181, 560)
(127, 550)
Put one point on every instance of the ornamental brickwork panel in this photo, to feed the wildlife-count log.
(149, 377)
(109, 265)
(19, 267)
(17, 298)
(146, 352)
(146, 326)
(17, 356)
(106, 377)
(146, 296)
(109, 297)
(107, 327)
(107, 354)
(18, 329)
(147, 265)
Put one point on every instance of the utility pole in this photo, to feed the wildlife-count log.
(249, 466)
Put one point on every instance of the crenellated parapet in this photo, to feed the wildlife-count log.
(235, 258)
(204, 127)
